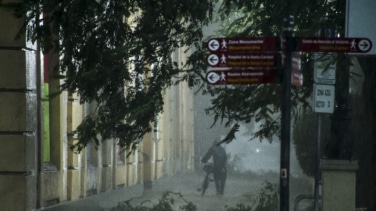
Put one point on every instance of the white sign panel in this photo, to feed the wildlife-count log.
(323, 98)
(324, 68)
(361, 21)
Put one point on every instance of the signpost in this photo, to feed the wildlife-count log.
(284, 180)
(264, 56)
(323, 102)
(260, 54)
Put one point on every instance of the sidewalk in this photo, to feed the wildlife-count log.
(237, 191)
(99, 202)
(242, 189)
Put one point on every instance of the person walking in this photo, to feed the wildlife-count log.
(218, 153)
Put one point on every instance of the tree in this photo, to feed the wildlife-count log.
(116, 53)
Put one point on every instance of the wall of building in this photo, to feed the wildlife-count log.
(18, 125)
(164, 153)
(38, 169)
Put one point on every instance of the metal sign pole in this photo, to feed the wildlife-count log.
(286, 117)
(326, 75)
(317, 165)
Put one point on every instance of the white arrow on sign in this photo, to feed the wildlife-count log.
(213, 77)
(213, 59)
(213, 45)
(364, 45)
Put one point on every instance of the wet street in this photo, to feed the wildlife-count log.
(240, 189)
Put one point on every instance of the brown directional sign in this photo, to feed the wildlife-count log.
(246, 52)
(227, 77)
(243, 59)
(243, 44)
(343, 45)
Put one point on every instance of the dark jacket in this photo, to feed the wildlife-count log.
(219, 156)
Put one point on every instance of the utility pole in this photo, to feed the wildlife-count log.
(284, 182)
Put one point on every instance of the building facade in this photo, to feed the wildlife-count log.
(37, 167)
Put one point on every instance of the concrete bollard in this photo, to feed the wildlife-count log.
(338, 184)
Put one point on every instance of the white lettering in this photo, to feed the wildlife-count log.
(342, 42)
(251, 41)
(267, 56)
(233, 74)
(233, 42)
(252, 73)
(234, 57)
(306, 41)
(324, 41)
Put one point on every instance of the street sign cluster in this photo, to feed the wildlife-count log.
(258, 59)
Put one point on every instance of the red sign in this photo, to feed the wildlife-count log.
(243, 60)
(226, 77)
(296, 69)
(242, 44)
(320, 44)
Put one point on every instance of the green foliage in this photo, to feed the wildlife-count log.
(115, 54)
(305, 140)
(106, 46)
(166, 203)
(230, 135)
(267, 200)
